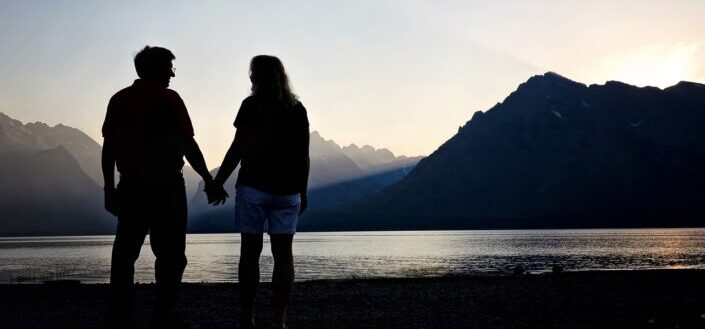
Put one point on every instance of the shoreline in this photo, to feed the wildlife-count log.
(463, 276)
(469, 229)
(582, 299)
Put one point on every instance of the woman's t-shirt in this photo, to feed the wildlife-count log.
(274, 139)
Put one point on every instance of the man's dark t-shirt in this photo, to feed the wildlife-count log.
(274, 146)
(148, 124)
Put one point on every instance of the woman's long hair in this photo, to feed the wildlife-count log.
(269, 79)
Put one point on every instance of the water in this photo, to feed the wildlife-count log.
(214, 257)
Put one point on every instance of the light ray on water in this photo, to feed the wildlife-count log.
(343, 255)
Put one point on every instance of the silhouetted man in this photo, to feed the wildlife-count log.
(147, 132)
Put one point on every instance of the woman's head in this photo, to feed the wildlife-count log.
(269, 79)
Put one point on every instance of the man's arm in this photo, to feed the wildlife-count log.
(195, 158)
(215, 192)
(108, 165)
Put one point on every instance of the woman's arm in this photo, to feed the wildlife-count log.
(306, 136)
(231, 160)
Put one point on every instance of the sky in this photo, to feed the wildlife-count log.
(403, 75)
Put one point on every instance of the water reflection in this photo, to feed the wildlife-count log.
(214, 257)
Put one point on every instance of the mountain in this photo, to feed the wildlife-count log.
(373, 160)
(336, 180)
(45, 192)
(49, 184)
(329, 164)
(16, 136)
(557, 153)
(191, 181)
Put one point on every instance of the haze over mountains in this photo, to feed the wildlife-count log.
(45, 187)
(554, 154)
(557, 153)
(50, 181)
(16, 136)
(339, 176)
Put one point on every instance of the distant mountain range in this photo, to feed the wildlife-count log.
(338, 177)
(44, 188)
(15, 136)
(556, 154)
(52, 181)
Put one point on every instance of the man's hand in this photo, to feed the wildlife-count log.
(215, 192)
(304, 203)
(112, 201)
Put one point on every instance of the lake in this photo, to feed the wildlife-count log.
(344, 255)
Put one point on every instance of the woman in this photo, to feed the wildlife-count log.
(271, 145)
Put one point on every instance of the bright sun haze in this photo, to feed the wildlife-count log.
(395, 74)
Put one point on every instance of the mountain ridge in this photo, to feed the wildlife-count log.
(556, 149)
(15, 135)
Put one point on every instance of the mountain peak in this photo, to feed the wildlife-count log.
(618, 84)
(352, 146)
(6, 119)
(368, 148)
(554, 75)
(37, 124)
(40, 136)
(685, 84)
(552, 78)
(558, 154)
(549, 83)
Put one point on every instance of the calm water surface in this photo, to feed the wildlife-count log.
(341, 255)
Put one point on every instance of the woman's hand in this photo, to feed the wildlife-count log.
(216, 193)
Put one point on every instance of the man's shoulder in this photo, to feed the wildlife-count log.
(171, 93)
(122, 93)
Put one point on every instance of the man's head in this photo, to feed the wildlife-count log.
(154, 64)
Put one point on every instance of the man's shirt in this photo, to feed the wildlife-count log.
(148, 125)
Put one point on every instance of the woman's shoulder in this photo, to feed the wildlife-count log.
(299, 107)
(249, 101)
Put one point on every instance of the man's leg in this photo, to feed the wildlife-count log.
(248, 274)
(168, 241)
(129, 238)
(283, 277)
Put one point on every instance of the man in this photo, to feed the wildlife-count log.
(147, 132)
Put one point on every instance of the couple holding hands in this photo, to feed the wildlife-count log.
(147, 133)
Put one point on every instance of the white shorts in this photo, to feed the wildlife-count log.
(255, 210)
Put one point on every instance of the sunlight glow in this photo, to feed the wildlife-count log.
(657, 65)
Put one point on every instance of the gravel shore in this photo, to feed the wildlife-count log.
(608, 299)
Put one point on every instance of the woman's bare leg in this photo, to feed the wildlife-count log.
(283, 276)
(248, 274)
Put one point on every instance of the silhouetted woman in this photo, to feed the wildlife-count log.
(271, 145)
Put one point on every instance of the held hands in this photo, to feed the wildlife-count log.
(215, 192)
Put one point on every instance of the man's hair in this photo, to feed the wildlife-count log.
(151, 62)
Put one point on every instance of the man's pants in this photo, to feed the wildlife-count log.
(157, 208)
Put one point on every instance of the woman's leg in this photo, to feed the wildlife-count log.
(248, 274)
(283, 276)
